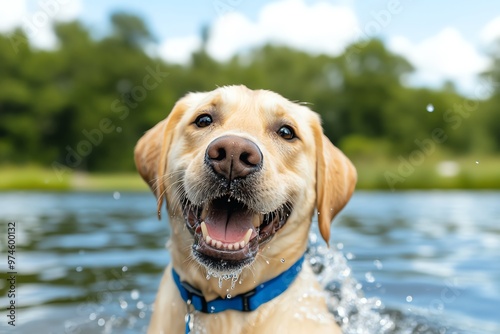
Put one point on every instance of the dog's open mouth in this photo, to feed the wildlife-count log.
(227, 234)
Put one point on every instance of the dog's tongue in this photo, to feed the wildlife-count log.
(228, 223)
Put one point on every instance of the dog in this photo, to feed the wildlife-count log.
(242, 172)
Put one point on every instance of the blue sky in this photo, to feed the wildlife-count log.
(445, 40)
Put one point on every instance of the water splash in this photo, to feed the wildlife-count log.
(346, 301)
(429, 108)
(233, 276)
(355, 313)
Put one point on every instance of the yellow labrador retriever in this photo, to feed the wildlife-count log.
(242, 172)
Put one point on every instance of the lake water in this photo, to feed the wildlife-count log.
(408, 262)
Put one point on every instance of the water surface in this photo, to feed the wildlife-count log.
(411, 262)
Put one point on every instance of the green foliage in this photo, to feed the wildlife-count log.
(83, 106)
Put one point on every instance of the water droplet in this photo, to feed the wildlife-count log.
(346, 272)
(235, 279)
(282, 260)
(430, 107)
(116, 195)
(142, 314)
(212, 309)
(124, 268)
(140, 305)
(229, 199)
(369, 277)
(79, 269)
(340, 246)
(350, 256)
(92, 316)
(134, 294)
(123, 304)
(378, 264)
(409, 299)
(101, 322)
(477, 162)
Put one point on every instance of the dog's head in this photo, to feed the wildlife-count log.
(242, 172)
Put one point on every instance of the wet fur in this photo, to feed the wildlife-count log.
(309, 173)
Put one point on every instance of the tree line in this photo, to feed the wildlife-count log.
(84, 104)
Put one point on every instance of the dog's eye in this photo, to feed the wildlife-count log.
(286, 132)
(203, 121)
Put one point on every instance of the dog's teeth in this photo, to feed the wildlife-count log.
(230, 246)
(246, 238)
(219, 244)
(204, 213)
(236, 245)
(213, 242)
(204, 229)
(242, 244)
(208, 239)
(256, 220)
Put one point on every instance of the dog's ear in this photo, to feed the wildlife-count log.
(151, 152)
(335, 181)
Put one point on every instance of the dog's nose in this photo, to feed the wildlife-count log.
(233, 157)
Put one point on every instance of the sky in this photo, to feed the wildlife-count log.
(444, 40)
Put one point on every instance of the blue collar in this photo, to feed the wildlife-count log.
(246, 302)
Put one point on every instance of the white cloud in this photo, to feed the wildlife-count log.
(317, 28)
(37, 23)
(11, 14)
(68, 10)
(178, 50)
(444, 56)
(491, 32)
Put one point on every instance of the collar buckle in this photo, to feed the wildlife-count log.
(245, 300)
